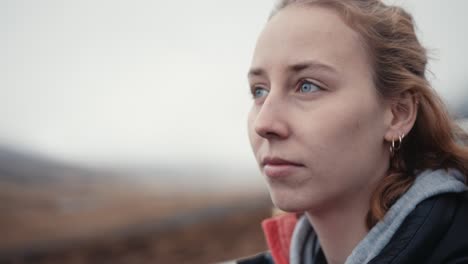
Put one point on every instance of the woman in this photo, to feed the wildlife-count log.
(352, 140)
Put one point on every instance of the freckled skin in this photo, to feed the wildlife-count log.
(337, 133)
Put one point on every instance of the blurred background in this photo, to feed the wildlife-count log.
(123, 126)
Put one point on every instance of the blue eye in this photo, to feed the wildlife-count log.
(259, 92)
(307, 87)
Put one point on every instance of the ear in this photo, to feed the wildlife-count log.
(403, 116)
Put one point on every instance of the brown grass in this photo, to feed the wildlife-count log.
(115, 223)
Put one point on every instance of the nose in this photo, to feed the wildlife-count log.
(271, 120)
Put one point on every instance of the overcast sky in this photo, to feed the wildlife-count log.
(158, 81)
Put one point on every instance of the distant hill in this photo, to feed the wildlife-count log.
(56, 211)
(29, 168)
(463, 123)
(461, 109)
(26, 168)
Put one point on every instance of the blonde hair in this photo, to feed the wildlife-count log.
(399, 65)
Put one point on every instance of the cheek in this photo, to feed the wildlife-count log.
(343, 130)
(253, 137)
(362, 150)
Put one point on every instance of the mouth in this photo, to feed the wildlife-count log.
(275, 167)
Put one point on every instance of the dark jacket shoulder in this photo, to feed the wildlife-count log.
(262, 258)
(435, 232)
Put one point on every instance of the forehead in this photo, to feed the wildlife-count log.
(298, 33)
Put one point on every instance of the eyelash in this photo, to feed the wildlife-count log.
(304, 81)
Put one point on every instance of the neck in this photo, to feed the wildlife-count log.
(341, 228)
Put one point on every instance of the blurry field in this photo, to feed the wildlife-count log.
(125, 227)
(102, 221)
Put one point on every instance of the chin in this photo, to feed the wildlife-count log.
(289, 203)
(295, 201)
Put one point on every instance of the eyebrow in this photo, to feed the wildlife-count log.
(298, 67)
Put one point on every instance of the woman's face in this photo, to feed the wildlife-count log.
(317, 123)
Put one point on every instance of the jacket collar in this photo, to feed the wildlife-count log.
(278, 233)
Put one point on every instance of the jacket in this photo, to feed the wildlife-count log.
(435, 232)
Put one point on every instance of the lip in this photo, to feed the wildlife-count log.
(275, 167)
